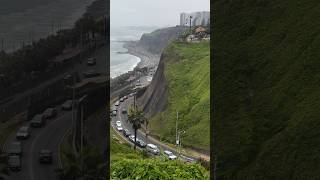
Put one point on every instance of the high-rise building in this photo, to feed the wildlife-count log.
(198, 18)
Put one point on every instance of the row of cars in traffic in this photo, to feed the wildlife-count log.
(151, 148)
(15, 148)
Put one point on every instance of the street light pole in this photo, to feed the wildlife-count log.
(177, 140)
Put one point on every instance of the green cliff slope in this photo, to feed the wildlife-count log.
(187, 81)
(266, 89)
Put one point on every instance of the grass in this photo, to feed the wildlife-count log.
(266, 89)
(187, 72)
(7, 128)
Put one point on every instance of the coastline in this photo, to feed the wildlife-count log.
(147, 59)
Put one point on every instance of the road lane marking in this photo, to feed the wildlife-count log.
(35, 140)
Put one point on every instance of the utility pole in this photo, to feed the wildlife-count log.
(190, 22)
(177, 140)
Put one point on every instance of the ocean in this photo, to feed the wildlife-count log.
(27, 20)
(120, 61)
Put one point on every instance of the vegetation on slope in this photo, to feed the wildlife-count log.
(129, 164)
(187, 72)
(266, 89)
(157, 169)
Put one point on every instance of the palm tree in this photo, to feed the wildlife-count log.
(136, 118)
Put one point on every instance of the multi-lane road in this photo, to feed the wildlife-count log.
(123, 118)
(47, 137)
(51, 135)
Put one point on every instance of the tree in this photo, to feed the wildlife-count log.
(92, 168)
(136, 118)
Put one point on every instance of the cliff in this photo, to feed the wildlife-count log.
(181, 83)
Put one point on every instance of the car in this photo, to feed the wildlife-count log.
(67, 105)
(23, 132)
(125, 97)
(188, 159)
(50, 113)
(153, 149)
(121, 99)
(90, 74)
(14, 163)
(131, 138)
(45, 156)
(124, 111)
(67, 77)
(114, 113)
(37, 121)
(119, 128)
(117, 103)
(126, 132)
(118, 123)
(170, 155)
(91, 61)
(140, 143)
(15, 148)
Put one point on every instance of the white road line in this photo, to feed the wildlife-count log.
(35, 140)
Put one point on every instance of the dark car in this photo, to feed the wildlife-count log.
(67, 105)
(14, 163)
(45, 156)
(91, 61)
(140, 143)
(37, 121)
(49, 113)
(90, 74)
(124, 111)
(15, 148)
(126, 132)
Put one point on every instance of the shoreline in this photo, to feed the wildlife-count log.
(147, 59)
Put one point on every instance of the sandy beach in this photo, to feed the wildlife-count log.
(147, 59)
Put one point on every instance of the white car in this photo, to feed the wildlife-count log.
(23, 132)
(170, 155)
(118, 123)
(131, 138)
(153, 149)
(119, 128)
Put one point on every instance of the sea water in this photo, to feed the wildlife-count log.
(120, 61)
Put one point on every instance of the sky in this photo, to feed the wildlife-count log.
(152, 12)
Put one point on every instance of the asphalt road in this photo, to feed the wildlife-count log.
(18, 102)
(123, 118)
(50, 136)
(47, 137)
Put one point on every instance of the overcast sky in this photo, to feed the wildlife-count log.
(152, 12)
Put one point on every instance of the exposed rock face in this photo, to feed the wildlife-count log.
(198, 18)
(154, 98)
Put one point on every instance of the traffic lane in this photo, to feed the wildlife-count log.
(50, 139)
(123, 118)
(27, 154)
(126, 124)
(101, 65)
